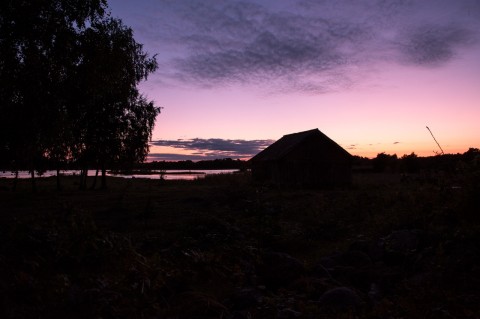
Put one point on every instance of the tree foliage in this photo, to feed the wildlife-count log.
(68, 86)
(384, 162)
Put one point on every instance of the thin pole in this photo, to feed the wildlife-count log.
(435, 140)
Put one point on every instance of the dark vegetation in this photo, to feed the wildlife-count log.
(225, 163)
(391, 246)
(412, 163)
(68, 88)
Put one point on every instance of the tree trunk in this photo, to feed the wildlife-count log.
(34, 182)
(104, 177)
(83, 178)
(80, 180)
(59, 187)
(95, 180)
(15, 181)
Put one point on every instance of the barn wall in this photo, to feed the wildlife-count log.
(303, 173)
(313, 163)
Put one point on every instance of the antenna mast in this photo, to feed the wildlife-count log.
(435, 141)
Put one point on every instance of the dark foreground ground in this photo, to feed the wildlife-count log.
(389, 247)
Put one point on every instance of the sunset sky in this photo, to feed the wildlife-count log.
(371, 74)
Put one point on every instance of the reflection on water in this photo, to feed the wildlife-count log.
(167, 174)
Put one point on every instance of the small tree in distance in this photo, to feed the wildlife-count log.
(384, 162)
(410, 163)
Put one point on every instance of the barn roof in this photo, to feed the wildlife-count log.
(288, 143)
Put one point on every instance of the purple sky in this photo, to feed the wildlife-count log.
(236, 75)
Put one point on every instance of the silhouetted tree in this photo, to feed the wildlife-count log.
(115, 122)
(384, 161)
(410, 163)
(36, 42)
(472, 154)
(68, 86)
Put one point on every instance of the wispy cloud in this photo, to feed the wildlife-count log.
(252, 44)
(433, 45)
(308, 46)
(351, 147)
(202, 149)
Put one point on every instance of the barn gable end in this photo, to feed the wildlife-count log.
(304, 159)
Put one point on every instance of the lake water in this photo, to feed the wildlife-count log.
(167, 174)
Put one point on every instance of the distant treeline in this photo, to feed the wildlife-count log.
(225, 163)
(383, 162)
(412, 163)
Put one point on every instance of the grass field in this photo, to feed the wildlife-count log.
(390, 246)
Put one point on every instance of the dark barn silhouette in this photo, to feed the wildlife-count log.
(304, 159)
